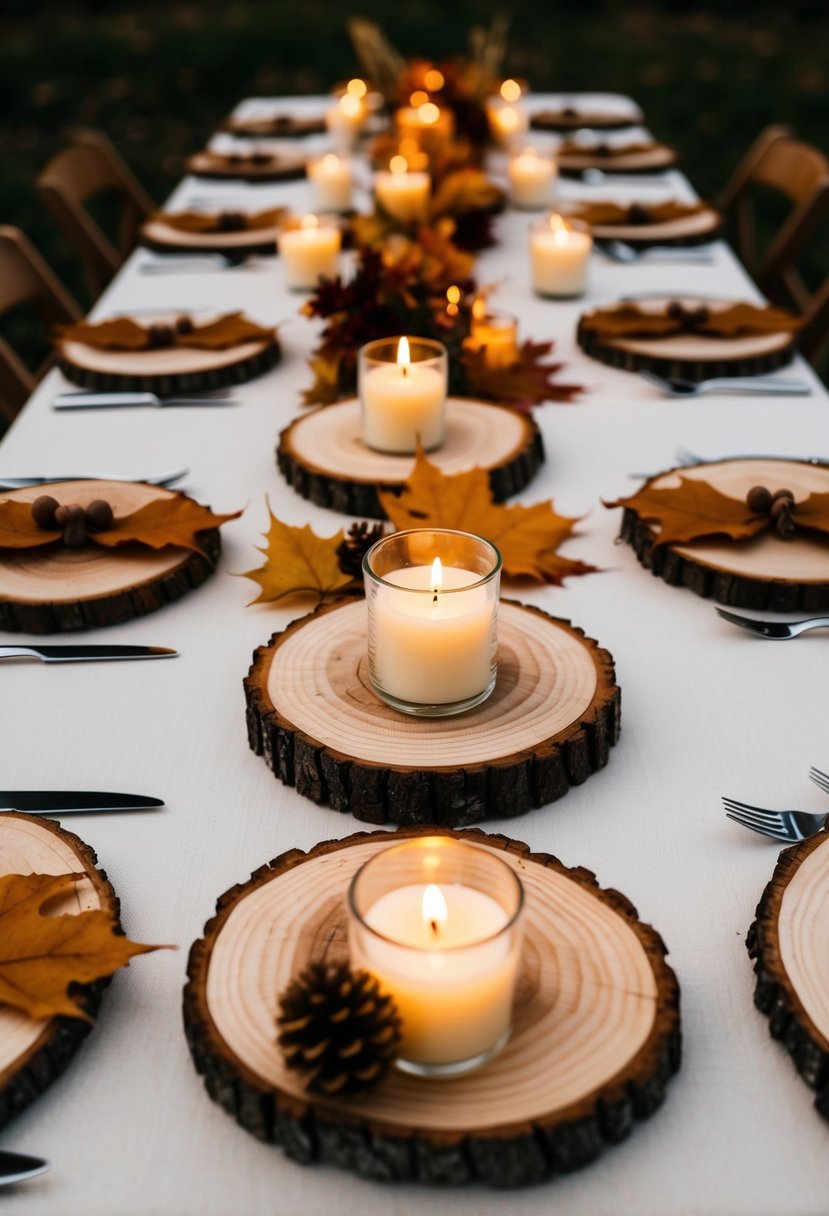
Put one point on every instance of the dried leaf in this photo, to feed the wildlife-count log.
(298, 561)
(527, 382)
(813, 513)
(464, 190)
(527, 537)
(693, 510)
(18, 529)
(40, 956)
(164, 521)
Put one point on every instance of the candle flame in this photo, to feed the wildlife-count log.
(436, 577)
(418, 98)
(308, 224)
(453, 294)
(330, 162)
(428, 112)
(351, 105)
(434, 80)
(435, 912)
(404, 356)
(357, 88)
(399, 165)
(510, 90)
(560, 229)
(479, 308)
(509, 118)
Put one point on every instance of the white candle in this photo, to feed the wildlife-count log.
(344, 120)
(401, 193)
(332, 178)
(309, 253)
(403, 403)
(434, 648)
(559, 253)
(454, 989)
(531, 178)
(506, 122)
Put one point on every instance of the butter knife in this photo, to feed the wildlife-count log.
(152, 479)
(72, 802)
(104, 401)
(85, 654)
(16, 1167)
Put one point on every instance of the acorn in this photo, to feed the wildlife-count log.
(99, 515)
(337, 1027)
(184, 325)
(64, 514)
(74, 532)
(43, 512)
(638, 213)
(759, 500)
(783, 494)
(781, 506)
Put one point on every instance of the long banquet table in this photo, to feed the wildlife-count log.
(706, 711)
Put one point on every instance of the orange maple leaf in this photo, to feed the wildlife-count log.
(41, 956)
(164, 521)
(693, 510)
(298, 561)
(18, 529)
(527, 537)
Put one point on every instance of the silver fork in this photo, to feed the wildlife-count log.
(786, 826)
(772, 386)
(778, 631)
(621, 251)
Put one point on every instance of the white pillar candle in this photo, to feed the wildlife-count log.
(438, 922)
(309, 253)
(403, 402)
(531, 179)
(433, 649)
(401, 193)
(345, 118)
(332, 178)
(559, 252)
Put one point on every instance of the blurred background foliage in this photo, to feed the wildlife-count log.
(157, 77)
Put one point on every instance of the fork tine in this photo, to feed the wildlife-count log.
(781, 835)
(745, 621)
(773, 825)
(685, 457)
(756, 812)
(819, 778)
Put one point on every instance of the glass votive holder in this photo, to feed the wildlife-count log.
(439, 922)
(559, 254)
(532, 178)
(345, 119)
(432, 599)
(331, 179)
(508, 121)
(309, 252)
(427, 123)
(402, 385)
(403, 192)
(496, 333)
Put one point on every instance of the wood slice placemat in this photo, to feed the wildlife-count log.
(166, 370)
(322, 454)
(54, 589)
(573, 118)
(765, 573)
(550, 722)
(647, 160)
(156, 234)
(274, 126)
(690, 356)
(696, 229)
(788, 944)
(273, 167)
(596, 1030)
(35, 1051)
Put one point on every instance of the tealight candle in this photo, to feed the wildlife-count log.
(344, 120)
(432, 598)
(506, 122)
(425, 122)
(401, 193)
(531, 179)
(309, 253)
(402, 385)
(332, 178)
(439, 923)
(559, 252)
(494, 333)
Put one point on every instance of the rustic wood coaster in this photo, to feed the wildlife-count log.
(690, 356)
(276, 126)
(35, 1051)
(696, 229)
(574, 118)
(647, 160)
(166, 370)
(765, 573)
(243, 167)
(54, 589)
(322, 454)
(788, 944)
(166, 237)
(550, 722)
(596, 1029)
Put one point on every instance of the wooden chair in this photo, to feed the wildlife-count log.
(800, 173)
(814, 336)
(26, 278)
(91, 167)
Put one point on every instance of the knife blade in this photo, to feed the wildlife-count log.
(85, 654)
(152, 479)
(71, 802)
(85, 401)
(16, 1167)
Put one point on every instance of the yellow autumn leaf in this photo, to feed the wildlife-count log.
(297, 562)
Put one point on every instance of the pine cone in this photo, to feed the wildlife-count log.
(352, 550)
(336, 1025)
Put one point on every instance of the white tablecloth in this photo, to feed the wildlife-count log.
(129, 1127)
